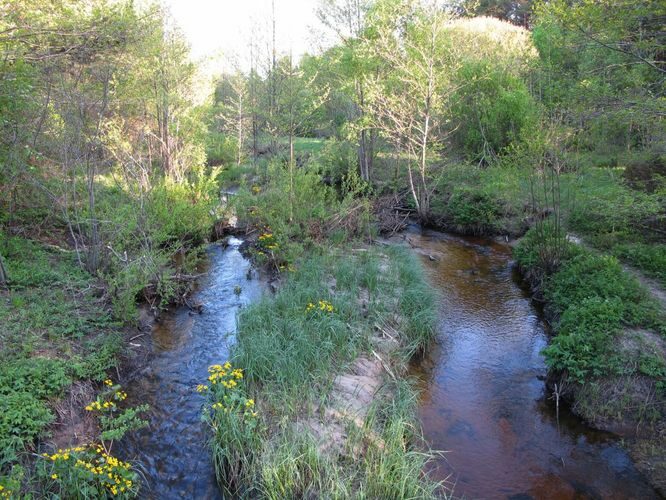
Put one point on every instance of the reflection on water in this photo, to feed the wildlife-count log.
(173, 449)
(483, 398)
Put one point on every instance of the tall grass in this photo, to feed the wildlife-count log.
(290, 357)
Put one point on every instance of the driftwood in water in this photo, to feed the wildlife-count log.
(391, 214)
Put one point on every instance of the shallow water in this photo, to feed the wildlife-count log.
(173, 449)
(482, 392)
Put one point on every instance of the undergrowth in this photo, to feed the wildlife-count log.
(595, 306)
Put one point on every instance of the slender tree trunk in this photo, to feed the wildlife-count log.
(272, 112)
(92, 262)
(240, 127)
(4, 279)
(363, 138)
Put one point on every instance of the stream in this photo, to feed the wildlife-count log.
(482, 392)
(172, 451)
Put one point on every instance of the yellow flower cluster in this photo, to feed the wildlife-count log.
(322, 305)
(234, 402)
(225, 375)
(97, 405)
(202, 388)
(64, 454)
(100, 404)
(112, 473)
(5, 493)
(256, 189)
(267, 241)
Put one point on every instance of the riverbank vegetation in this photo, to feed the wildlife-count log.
(104, 201)
(535, 119)
(344, 324)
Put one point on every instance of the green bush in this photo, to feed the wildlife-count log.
(294, 211)
(583, 346)
(474, 211)
(41, 377)
(22, 419)
(335, 159)
(493, 109)
(543, 249)
(221, 149)
(181, 212)
(172, 218)
(587, 275)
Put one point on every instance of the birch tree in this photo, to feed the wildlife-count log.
(410, 104)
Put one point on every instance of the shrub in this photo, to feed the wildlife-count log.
(586, 276)
(294, 219)
(584, 342)
(543, 249)
(40, 377)
(649, 175)
(22, 419)
(493, 109)
(474, 211)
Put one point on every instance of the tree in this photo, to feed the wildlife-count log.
(347, 20)
(231, 96)
(602, 63)
(410, 104)
(297, 103)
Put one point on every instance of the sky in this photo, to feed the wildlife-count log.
(220, 31)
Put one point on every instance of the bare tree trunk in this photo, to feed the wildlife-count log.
(363, 142)
(92, 262)
(4, 279)
(272, 111)
(240, 127)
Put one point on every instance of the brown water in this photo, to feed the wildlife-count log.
(173, 450)
(483, 396)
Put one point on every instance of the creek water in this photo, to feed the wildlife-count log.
(173, 450)
(483, 398)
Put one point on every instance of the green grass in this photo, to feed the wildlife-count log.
(308, 145)
(651, 259)
(290, 357)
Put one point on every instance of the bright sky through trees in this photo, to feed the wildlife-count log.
(215, 27)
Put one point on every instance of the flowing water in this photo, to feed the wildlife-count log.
(483, 396)
(173, 448)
